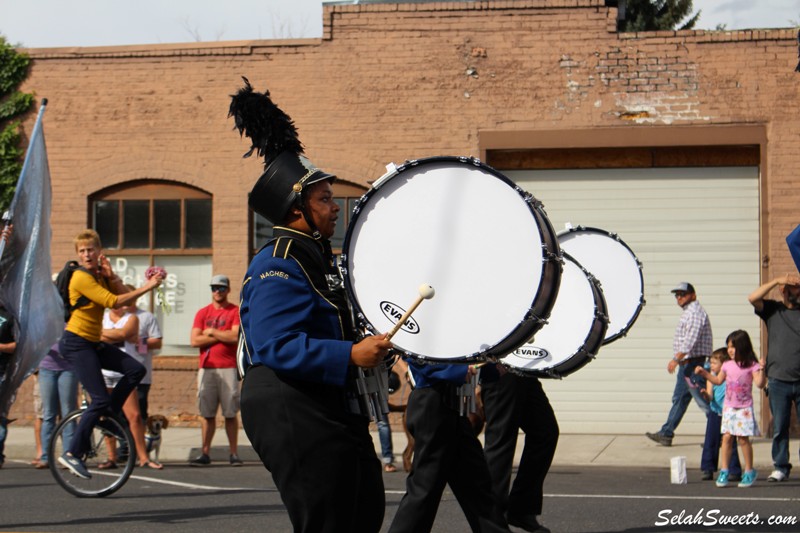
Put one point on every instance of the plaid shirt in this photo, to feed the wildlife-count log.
(693, 334)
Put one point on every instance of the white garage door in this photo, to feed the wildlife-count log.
(684, 224)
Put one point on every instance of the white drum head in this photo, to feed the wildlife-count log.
(571, 322)
(463, 229)
(617, 269)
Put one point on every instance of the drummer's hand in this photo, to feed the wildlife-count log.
(370, 351)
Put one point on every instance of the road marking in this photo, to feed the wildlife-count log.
(676, 497)
(199, 487)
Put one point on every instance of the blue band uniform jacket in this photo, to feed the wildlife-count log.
(298, 333)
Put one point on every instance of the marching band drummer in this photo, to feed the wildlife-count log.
(446, 451)
(299, 343)
(512, 402)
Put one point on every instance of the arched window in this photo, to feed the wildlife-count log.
(151, 222)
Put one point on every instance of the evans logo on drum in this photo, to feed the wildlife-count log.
(531, 352)
(394, 313)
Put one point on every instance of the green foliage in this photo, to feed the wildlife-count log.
(654, 15)
(13, 104)
(10, 163)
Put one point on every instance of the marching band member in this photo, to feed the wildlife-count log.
(511, 403)
(446, 451)
(299, 345)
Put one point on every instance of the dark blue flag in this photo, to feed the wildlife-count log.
(26, 287)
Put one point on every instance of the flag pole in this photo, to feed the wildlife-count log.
(8, 216)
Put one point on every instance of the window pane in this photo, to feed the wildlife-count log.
(341, 225)
(262, 231)
(167, 221)
(185, 291)
(106, 222)
(198, 223)
(136, 223)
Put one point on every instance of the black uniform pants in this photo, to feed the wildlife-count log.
(321, 457)
(446, 451)
(510, 404)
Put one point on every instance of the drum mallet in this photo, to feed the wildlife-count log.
(426, 292)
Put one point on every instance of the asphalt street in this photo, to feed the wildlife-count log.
(584, 499)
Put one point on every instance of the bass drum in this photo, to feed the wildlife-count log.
(617, 269)
(484, 245)
(573, 334)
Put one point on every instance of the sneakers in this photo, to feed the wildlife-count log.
(777, 475)
(75, 466)
(660, 438)
(708, 475)
(748, 478)
(722, 479)
(235, 461)
(203, 460)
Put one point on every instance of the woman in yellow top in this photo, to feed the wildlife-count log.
(81, 346)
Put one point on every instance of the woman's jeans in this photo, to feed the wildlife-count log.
(87, 359)
(59, 391)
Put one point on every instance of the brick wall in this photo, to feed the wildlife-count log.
(390, 82)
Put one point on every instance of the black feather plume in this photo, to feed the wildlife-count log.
(270, 130)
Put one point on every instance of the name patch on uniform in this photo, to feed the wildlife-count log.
(274, 274)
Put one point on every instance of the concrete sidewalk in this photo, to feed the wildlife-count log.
(180, 444)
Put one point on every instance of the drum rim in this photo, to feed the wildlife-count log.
(589, 353)
(515, 338)
(642, 302)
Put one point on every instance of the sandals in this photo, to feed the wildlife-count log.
(151, 464)
(107, 465)
(389, 468)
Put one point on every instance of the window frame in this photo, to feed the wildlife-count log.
(151, 190)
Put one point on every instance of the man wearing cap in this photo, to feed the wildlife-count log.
(782, 362)
(691, 345)
(216, 332)
(300, 408)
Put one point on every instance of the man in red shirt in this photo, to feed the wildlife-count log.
(216, 332)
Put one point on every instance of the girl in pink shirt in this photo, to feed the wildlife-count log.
(738, 418)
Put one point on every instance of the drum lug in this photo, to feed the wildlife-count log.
(552, 374)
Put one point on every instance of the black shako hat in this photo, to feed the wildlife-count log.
(273, 134)
(281, 185)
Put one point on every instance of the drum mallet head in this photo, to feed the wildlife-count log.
(426, 291)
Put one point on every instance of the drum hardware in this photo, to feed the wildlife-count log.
(467, 403)
(372, 385)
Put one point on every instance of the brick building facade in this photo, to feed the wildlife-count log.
(520, 84)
